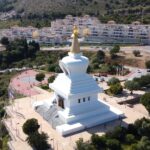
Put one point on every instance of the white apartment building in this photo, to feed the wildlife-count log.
(95, 32)
(120, 33)
(90, 30)
(64, 26)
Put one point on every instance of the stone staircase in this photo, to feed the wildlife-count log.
(41, 110)
(50, 115)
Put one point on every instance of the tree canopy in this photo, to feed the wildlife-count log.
(113, 81)
(100, 56)
(116, 89)
(134, 137)
(30, 126)
(40, 77)
(17, 50)
(136, 53)
(143, 81)
(132, 85)
(39, 141)
(145, 100)
(114, 51)
(51, 79)
(4, 41)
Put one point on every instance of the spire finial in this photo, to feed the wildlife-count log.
(75, 48)
(75, 31)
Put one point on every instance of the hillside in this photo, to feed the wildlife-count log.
(122, 11)
(39, 7)
(63, 6)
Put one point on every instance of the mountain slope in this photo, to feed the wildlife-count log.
(60, 6)
(122, 11)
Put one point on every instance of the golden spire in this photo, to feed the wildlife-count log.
(75, 48)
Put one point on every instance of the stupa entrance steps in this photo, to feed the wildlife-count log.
(49, 114)
(78, 122)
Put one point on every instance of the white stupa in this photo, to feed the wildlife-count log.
(75, 105)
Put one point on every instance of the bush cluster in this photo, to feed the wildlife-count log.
(115, 86)
(17, 50)
(135, 137)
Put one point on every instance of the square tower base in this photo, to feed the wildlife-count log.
(79, 122)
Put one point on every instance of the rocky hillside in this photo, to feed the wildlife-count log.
(104, 9)
(62, 6)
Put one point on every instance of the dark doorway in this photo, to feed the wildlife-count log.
(61, 102)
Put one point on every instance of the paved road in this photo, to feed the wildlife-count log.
(96, 48)
(136, 72)
(88, 48)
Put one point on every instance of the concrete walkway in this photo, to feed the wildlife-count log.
(24, 82)
(21, 110)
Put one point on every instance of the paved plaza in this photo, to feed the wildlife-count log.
(24, 82)
(21, 109)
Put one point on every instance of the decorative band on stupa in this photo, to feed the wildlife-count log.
(75, 47)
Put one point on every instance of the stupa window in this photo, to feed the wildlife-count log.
(79, 100)
(84, 99)
(89, 98)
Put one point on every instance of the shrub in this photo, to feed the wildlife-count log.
(51, 67)
(2, 112)
(114, 51)
(113, 81)
(143, 144)
(143, 127)
(113, 144)
(4, 41)
(40, 77)
(1, 143)
(118, 133)
(130, 138)
(136, 53)
(132, 85)
(145, 100)
(105, 68)
(81, 145)
(116, 89)
(45, 87)
(3, 130)
(30, 126)
(144, 81)
(133, 146)
(98, 141)
(51, 79)
(38, 141)
(132, 129)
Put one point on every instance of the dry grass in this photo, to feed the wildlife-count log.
(127, 58)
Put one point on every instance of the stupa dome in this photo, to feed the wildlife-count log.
(75, 64)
